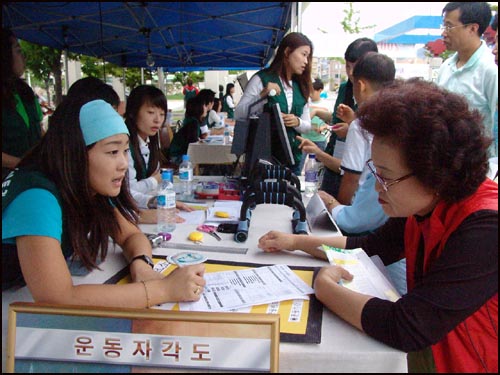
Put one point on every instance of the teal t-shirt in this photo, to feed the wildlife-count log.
(34, 212)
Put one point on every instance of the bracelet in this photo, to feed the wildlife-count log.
(148, 304)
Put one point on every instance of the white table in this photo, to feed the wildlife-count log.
(207, 153)
(212, 150)
(343, 348)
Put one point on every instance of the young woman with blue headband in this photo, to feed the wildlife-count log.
(64, 202)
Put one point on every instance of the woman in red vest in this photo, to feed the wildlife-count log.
(430, 159)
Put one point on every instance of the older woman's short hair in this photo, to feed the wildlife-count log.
(441, 140)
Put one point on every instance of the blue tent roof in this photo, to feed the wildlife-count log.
(183, 36)
(401, 32)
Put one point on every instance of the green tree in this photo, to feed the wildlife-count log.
(94, 67)
(133, 77)
(182, 76)
(43, 62)
(350, 23)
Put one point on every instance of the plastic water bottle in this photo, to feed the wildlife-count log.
(186, 176)
(166, 203)
(311, 176)
(169, 117)
(226, 135)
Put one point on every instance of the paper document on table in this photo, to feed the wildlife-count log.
(214, 139)
(197, 206)
(232, 208)
(367, 277)
(192, 217)
(228, 290)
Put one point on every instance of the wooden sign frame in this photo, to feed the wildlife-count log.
(206, 327)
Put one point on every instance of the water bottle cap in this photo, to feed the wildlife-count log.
(272, 92)
(185, 157)
(312, 156)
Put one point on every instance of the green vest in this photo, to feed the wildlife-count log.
(330, 147)
(21, 128)
(21, 180)
(226, 108)
(298, 103)
(180, 141)
(190, 93)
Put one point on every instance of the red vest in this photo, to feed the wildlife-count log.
(455, 352)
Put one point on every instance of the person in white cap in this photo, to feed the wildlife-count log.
(63, 203)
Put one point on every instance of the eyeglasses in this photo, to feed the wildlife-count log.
(449, 28)
(386, 183)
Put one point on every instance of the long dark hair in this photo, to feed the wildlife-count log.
(292, 41)
(229, 87)
(62, 156)
(91, 84)
(12, 84)
(138, 96)
(194, 108)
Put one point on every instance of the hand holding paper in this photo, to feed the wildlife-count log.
(336, 274)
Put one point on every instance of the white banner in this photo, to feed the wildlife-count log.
(143, 349)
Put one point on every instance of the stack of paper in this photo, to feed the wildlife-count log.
(228, 290)
(232, 208)
(368, 279)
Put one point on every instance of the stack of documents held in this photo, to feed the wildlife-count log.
(368, 279)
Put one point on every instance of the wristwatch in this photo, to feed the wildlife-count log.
(145, 258)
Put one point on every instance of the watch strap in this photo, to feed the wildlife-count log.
(144, 258)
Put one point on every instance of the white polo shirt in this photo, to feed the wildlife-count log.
(357, 151)
(477, 80)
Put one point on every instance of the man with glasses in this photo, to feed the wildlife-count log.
(471, 70)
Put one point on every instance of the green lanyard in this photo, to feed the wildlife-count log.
(21, 110)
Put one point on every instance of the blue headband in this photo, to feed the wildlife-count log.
(98, 120)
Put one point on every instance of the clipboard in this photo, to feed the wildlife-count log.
(318, 216)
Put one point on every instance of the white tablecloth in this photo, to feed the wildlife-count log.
(206, 153)
(343, 348)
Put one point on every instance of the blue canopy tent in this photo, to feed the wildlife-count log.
(414, 30)
(179, 36)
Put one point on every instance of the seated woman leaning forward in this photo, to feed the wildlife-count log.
(63, 203)
(430, 160)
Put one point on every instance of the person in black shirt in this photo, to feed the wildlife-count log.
(430, 160)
